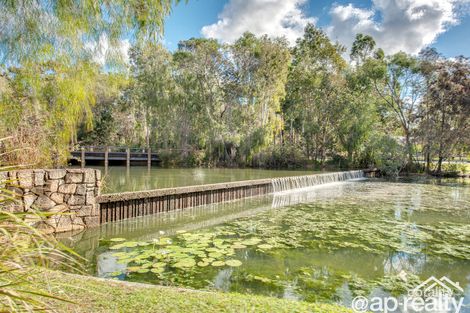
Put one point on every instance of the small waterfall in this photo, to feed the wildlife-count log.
(300, 182)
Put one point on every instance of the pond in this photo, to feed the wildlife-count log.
(328, 244)
(120, 179)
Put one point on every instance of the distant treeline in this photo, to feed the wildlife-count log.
(256, 102)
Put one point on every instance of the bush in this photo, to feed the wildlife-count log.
(285, 156)
(385, 153)
(23, 248)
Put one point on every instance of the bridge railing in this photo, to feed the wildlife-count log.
(109, 149)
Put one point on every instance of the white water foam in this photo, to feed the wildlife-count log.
(302, 183)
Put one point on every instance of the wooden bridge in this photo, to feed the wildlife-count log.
(106, 154)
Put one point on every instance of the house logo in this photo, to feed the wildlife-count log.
(436, 288)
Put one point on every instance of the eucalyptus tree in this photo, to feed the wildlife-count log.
(398, 82)
(151, 91)
(445, 125)
(51, 53)
(200, 65)
(256, 79)
(362, 48)
(314, 89)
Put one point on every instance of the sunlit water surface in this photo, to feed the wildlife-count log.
(326, 244)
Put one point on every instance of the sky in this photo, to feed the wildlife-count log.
(396, 25)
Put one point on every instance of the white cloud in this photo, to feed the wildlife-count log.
(396, 25)
(272, 17)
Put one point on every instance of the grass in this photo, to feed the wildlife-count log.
(96, 295)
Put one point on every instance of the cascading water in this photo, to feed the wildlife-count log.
(300, 182)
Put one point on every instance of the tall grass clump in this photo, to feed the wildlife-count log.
(24, 253)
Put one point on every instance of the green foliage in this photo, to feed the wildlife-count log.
(49, 51)
(205, 103)
(362, 48)
(385, 153)
(283, 156)
(42, 108)
(241, 104)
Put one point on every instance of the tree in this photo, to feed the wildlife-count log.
(399, 83)
(49, 50)
(446, 113)
(313, 91)
(362, 48)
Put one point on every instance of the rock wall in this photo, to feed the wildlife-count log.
(66, 195)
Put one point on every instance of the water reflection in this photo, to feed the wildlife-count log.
(120, 179)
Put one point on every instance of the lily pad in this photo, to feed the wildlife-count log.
(265, 246)
(202, 264)
(251, 242)
(218, 263)
(238, 245)
(114, 274)
(233, 263)
(143, 271)
(215, 255)
(158, 270)
(185, 263)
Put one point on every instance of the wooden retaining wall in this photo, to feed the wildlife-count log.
(114, 207)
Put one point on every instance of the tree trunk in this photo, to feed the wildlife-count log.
(439, 164)
(428, 160)
(408, 148)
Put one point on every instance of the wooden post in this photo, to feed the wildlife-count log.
(128, 157)
(82, 158)
(106, 161)
(149, 157)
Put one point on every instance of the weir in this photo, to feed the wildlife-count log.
(284, 184)
(114, 207)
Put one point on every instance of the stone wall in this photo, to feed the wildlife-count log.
(66, 195)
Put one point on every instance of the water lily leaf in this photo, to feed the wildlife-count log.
(251, 241)
(117, 247)
(162, 241)
(233, 263)
(202, 264)
(158, 264)
(185, 263)
(143, 271)
(158, 270)
(133, 269)
(215, 255)
(265, 246)
(218, 263)
(124, 261)
(117, 273)
(238, 245)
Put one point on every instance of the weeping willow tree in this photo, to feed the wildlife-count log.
(51, 55)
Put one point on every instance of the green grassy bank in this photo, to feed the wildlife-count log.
(92, 294)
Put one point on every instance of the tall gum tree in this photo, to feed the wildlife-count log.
(398, 82)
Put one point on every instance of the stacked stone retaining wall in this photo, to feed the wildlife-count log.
(67, 196)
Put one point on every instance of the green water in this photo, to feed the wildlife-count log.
(119, 179)
(329, 244)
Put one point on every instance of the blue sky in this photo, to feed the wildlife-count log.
(407, 25)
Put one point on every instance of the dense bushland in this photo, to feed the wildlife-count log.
(255, 102)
